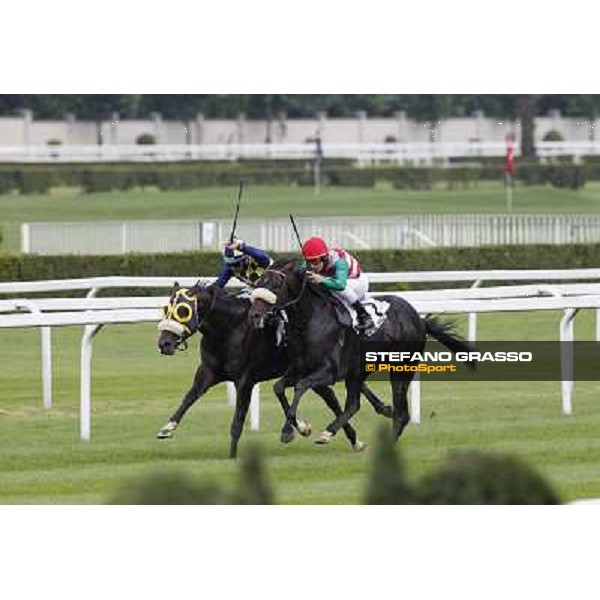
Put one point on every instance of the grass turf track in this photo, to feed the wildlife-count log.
(135, 389)
(279, 201)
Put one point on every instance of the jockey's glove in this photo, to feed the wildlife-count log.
(236, 244)
(315, 277)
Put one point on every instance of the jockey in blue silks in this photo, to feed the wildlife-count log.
(242, 261)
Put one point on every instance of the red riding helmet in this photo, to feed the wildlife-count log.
(314, 248)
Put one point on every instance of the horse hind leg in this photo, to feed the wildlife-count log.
(380, 407)
(333, 403)
(319, 378)
(244, 393)
(401, 417)
(351, 407)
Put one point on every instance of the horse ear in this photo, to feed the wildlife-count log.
(197, 287)
(175, 287)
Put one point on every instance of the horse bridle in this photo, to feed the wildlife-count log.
(294, 300)
(181, 343)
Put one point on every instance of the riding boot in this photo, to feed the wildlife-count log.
(364, 318)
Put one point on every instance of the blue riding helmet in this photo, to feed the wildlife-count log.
(233, 257)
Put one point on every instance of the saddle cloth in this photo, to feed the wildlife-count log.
(377, 309)
(281, 331)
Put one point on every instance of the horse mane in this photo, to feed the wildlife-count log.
(225, 300)
(284, 261)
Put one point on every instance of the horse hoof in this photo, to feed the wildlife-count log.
(287, 436)
(359, 446)
(167, 431)
(304, 429)
(324, 437)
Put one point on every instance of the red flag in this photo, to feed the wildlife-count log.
(509, 164)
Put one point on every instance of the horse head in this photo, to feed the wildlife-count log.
(278, 287)
(180, 319)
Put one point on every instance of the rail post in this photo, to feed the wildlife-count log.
(472, 323)
(566, 359)
(46, 348)
(85, 399)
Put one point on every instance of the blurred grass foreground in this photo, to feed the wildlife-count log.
(466, 477)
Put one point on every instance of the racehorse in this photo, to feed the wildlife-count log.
(232, 351)
(329, 351)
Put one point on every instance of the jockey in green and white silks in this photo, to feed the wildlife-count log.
(339, 272)
(244, 262)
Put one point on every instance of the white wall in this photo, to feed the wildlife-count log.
(12, 131)
(16, 131)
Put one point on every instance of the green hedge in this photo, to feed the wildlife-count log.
(191, 175)
(568, 176)
(37, 181)
(8, 181)
(28, 268)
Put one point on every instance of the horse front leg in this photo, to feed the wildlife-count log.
(204, 379)
(350, 409)
(322, 378)
(290, 426)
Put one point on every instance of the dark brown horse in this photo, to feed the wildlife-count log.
(231, 350)
(327, 351)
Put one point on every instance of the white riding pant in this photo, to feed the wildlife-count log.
(356, 289)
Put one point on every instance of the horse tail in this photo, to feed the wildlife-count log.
(445, 333)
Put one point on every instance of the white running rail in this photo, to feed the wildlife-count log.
(94, 312)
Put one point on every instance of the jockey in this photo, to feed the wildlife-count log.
(338, 271)
(242, 261)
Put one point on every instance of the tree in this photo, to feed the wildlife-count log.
(429, 109)
(100, 107)
(10, 104)
(525, 109)
(585, 105)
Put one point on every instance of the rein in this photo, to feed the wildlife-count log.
(294, 300)
(297, 298)
(210, 308)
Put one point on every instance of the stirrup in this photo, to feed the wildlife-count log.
(365, 324)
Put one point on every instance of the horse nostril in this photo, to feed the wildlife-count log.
(165, 348)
